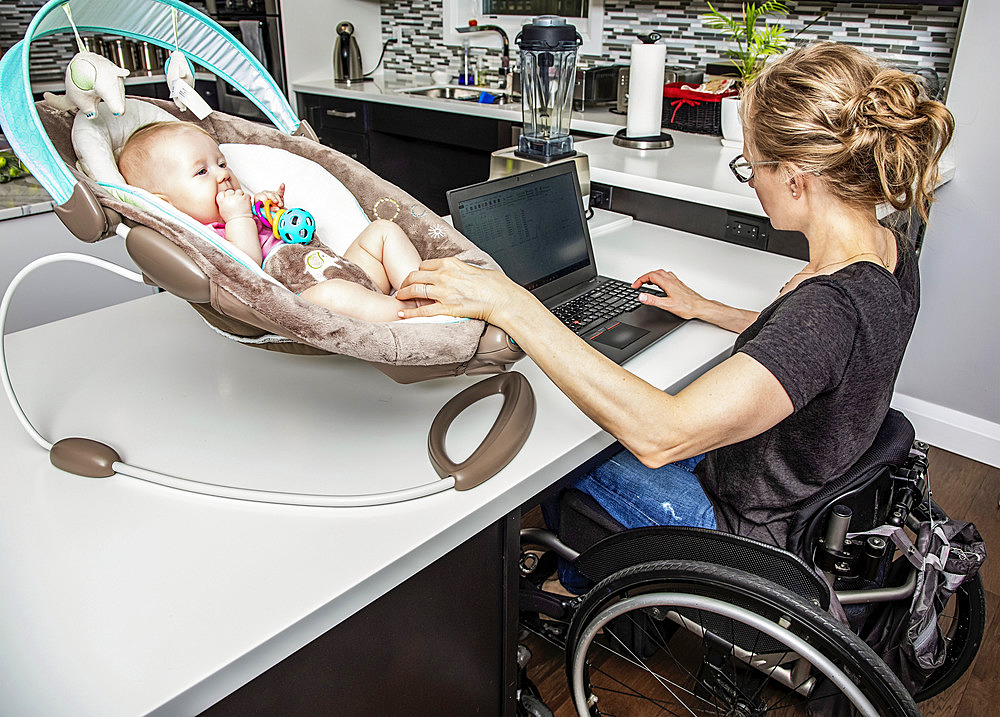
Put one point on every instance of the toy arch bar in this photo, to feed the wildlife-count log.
(200, 38)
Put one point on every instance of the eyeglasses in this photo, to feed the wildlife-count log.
(743, 167)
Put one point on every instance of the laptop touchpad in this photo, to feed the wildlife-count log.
(621, 335)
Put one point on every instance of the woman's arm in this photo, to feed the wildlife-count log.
(683, 301)
(734, 401)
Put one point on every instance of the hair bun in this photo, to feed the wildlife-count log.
(891, 101)
(869, 130)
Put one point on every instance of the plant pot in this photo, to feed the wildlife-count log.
(732, 127)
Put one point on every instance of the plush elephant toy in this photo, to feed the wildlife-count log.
(91, 78)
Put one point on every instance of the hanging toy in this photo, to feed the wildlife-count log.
(90, 78)
(292, 226)
(180, 78)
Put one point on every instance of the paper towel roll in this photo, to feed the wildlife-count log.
(645, 90)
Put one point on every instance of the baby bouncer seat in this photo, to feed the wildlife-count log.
(73, 155)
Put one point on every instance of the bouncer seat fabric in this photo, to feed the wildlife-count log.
(249, 305)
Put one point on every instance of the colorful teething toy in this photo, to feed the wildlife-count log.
(292, 226)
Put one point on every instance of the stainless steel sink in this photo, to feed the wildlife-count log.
(458, 92)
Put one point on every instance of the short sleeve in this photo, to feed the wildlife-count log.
(807, 342)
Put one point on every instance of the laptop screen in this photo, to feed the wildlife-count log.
(534, 229)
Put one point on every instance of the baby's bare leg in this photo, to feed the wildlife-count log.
(350, 299)
(385, 253)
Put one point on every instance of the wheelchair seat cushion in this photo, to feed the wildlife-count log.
(280, 314)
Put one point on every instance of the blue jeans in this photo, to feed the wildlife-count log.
(637, 496)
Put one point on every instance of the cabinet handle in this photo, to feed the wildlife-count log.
(343, 115)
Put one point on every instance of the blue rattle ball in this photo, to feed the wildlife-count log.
(292, 226)
(296, 226)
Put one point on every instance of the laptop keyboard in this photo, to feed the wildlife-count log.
(601, 303)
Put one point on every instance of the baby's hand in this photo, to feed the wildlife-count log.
(277, 198)
(233, 203)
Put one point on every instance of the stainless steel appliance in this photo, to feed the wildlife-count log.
(592, 86)
(670, 74)
(257, 24)
(347, 56)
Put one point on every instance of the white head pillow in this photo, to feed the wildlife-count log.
(98, 141)
(339, 218)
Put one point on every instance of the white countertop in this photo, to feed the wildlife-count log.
(126, 598)
(595, 120)
(695, 169)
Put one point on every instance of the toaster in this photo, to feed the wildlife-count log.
(670, 74)
(593, 86)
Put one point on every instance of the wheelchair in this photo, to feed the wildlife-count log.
(693, 621)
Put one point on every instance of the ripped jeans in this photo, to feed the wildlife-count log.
(637, 496)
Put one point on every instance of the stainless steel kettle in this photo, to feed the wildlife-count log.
(346, 56)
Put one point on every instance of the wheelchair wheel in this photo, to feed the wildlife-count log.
(696, 638)
(962, 622)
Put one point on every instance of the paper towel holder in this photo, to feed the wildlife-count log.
(660, 141)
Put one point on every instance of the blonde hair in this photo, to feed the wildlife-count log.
(870, 131)
(136, 161)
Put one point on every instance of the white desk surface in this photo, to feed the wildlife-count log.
(123, 598)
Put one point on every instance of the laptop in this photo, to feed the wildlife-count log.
(534, 227)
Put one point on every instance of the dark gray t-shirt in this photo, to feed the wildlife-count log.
(835, 343)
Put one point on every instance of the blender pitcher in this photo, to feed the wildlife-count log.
(548, 71)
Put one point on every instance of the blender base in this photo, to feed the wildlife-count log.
(504, 162)
(661, 141)
(543, 159)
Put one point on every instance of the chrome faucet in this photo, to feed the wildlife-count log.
(506, 79)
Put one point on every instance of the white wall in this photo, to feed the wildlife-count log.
(949, 384)
(309, 31)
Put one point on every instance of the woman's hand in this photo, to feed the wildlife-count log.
(687, 303)
(680, 299)
(455, 288)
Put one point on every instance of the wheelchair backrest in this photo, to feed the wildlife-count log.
(865, 488)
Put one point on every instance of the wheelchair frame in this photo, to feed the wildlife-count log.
(832, 552)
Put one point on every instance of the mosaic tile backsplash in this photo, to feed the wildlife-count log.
(917, 35)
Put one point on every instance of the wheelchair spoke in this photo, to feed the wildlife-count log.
(631, 692)
(665, 683)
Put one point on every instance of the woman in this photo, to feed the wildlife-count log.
(828, 135)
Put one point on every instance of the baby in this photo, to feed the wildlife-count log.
(182, 164)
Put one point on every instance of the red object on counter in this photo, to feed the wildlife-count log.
(701, 110)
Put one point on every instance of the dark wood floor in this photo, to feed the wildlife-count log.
(965, 489)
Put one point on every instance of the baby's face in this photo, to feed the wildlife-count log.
(193, 172)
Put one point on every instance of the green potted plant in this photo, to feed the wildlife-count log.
(752, 44)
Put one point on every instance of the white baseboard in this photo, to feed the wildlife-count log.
(952, 430)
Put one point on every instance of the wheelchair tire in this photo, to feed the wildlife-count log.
(733, 619)
(964, 634)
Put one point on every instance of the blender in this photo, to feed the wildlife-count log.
(548, 47)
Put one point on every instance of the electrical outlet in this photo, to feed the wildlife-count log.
(397, 33)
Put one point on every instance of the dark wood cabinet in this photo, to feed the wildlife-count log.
(423, 152)
(339, 123)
